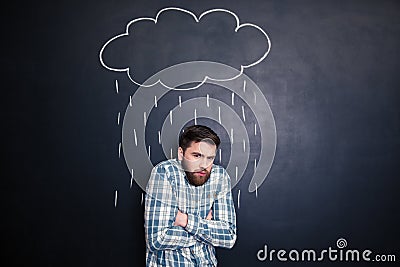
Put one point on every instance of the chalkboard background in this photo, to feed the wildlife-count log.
(331, 80)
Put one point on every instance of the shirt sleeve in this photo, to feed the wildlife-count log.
(221, 230)
(160, 212)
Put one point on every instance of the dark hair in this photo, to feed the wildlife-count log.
(197, 133)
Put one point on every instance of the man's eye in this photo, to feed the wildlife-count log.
(197, 156)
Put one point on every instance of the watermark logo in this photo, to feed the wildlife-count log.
(341, 243)
(143, 103)
(340, 253)
(163, 65)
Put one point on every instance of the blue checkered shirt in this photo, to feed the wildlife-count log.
(167, 192)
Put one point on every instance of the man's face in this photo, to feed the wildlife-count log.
(197, 161)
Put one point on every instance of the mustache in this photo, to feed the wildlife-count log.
(200, 170)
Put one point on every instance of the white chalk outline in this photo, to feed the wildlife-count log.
(197, 19)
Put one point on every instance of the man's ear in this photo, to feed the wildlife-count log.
(180, 153)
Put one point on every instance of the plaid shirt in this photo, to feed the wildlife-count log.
(167, 191)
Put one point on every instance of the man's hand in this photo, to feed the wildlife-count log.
(181, 219)
(209, 216)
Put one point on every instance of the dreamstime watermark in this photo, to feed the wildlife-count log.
(186, 108)
(338, 253)
(161, 79)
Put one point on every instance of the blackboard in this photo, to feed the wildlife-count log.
(331, 81)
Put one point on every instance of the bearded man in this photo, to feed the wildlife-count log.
(188, 206)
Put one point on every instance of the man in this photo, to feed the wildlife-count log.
(189, 209)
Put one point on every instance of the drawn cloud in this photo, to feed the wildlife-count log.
(176, 36)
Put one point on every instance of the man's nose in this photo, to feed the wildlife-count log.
(204, 163)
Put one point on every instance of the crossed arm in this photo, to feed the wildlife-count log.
(181, 218)
(168, 228)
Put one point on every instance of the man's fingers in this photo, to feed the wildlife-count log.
(209, 215)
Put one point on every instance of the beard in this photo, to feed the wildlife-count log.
(195, 179)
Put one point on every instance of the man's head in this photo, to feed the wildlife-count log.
(197, 148)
